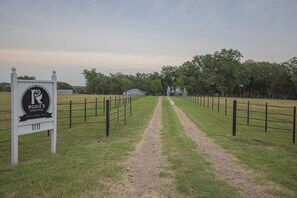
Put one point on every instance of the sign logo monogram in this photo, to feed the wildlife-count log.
(36, 96)
(35, 103)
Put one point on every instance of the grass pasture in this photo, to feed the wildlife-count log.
(270, 157)
(194, 175)
(279, 112)
(85, 161)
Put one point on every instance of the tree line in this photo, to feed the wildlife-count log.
(60, 85)
(221, 73)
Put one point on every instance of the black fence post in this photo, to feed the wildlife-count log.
(115, 101)
(294, 124)
(85, 110)
(125, 111)
(266, 116)
(96, 107)
(208, 102)
(234, 118)
(70, 114)
(203, 101)
(104, 105)
(248, 113)
(226, 106)
(212, 104)
(219, 104)
(130, 107)
(118, 112)
(107, 118)
(110, 102)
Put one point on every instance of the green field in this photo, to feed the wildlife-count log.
(86, 161)
(270, 157)
(194, 175)
(85, 157)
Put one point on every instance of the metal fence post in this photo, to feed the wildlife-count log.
(96, 107)
(212, 104)
(115, 101)
(226, 106)
(266, 116)
(248, 113)
(130, 107)
(118, 112)
(208, 102)
(203, 101)
(234, 118)
(219, 104)
(107, 118)
(85, 110)
(70, 114)
(294, 124)
(125, 111)
(104, 105)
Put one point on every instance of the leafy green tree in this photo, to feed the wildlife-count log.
(27, 77)
(168, 77)
(95, 82)
(1, 87)
(189, 77)
(63, 85)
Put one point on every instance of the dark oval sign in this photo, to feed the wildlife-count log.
(35, 103)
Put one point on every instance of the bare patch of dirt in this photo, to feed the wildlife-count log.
(142, 168)
(225, 163)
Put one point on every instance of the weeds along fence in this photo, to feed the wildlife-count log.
(247, 113)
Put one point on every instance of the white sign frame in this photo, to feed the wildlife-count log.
(22, 127)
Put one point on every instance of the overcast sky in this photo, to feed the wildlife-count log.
(132, 36)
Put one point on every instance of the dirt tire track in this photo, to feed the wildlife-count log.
(142, 168)
(224, 162)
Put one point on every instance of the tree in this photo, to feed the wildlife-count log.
(1, 87)
(26, 77)
(168, 77)
(226, 63)
(95, 82)
(189, 77)
(63, 85)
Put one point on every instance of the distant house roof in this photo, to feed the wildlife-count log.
(134, 92)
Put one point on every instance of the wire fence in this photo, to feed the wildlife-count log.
(266, 116)
(276, 117)
(106, 112)
(216, 104)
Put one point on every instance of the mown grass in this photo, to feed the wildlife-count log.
(270, 157)
(279, 112)
(85, 161)
(193, 174)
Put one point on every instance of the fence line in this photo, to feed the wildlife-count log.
(107, 112)
(264, 116)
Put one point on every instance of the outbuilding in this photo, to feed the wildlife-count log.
(134, 92)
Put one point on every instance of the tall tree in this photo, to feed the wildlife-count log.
(168, 77)
(27, 77)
